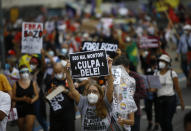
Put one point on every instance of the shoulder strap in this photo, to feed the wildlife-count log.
(172, 77)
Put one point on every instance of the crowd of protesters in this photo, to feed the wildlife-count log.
(28, 78)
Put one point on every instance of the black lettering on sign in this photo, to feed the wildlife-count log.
(87, 64)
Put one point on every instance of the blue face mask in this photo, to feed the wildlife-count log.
(64, 51)
(7, 66)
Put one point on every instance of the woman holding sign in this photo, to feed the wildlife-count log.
(95, 107)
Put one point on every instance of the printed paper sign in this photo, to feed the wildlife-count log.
(87, 64)
(148, 42)
(109, 47)
(13, 115)
(117, 75)
(32, 37)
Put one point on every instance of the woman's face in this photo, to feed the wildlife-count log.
(24, 73)
(93, 94)
(93, 89)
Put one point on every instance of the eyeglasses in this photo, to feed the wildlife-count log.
(92, 91)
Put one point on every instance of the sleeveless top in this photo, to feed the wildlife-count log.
(20, 92)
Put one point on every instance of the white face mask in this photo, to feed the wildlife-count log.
(33, 67)
(162, 65)
(25, 76)
(59, 76)
(92, 98)
(51, 53)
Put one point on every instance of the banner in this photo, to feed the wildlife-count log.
(163, 5)
(109, 47)
(149, 42)
(32, 34)
(87, 64)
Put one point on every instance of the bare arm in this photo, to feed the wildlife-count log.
(35, 98)
(73, 93)
(130, 121)
(2, 115)
(178, 90)
(109, 92)
(43, 67)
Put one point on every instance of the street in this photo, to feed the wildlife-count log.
(177, 121)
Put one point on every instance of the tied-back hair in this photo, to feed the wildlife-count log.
(101, 110)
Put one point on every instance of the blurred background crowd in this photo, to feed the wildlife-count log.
(67, 25)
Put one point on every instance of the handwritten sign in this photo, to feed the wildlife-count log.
(32, 37)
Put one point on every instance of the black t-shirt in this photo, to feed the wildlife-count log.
(61, 106)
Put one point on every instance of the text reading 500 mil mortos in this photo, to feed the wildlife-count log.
(87, 64)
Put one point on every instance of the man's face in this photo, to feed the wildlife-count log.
(188, 127)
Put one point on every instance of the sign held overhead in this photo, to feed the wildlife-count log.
(109, 47)
(32, 37)
(88, 64)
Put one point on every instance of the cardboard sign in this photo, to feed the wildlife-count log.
(55, 92)
(109, 47)
(87, 64)
(151, 81)
(32, 37)
(149, 42)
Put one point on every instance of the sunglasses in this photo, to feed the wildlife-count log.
(22, 72)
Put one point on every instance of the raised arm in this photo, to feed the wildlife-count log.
(72, 90)
(109, 78)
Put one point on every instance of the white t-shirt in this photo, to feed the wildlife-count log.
(167, 83)
(5, 106)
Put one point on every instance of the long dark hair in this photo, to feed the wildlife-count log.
(101, 110)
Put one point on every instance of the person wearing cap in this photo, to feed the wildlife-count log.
(25, 94)
(167, 93)
(184, 47)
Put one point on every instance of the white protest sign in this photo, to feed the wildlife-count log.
(32, 37)
(90, 63)
(117, 75)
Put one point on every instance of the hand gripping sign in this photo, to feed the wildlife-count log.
(124, 89)
(88, 64)
(32, 37)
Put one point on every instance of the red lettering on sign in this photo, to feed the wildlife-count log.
(25, 26)
(33, 26)
(39, 27)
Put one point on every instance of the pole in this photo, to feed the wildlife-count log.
(2, 47)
